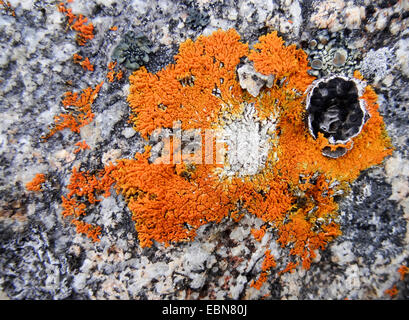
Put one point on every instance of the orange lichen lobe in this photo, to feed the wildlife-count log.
(35, 184)
(114, 28)
(290, 267)
(82, 145)
(403, 270)
(88, 229)
(392, 292)
(113, 73)
(165, 205)
(84, 190)
(77, 23)
(268, 263)
(185, 90)
(80, 113)
(85, 64)
(258, 234)
(271, 56)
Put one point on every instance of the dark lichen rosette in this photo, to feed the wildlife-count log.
(334, 108)
(132, 51)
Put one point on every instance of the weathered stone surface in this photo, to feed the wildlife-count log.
(41, 257)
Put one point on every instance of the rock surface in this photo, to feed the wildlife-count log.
(41, 257)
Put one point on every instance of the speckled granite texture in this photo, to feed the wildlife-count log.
(41, 257)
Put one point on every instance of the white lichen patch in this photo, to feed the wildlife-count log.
(377, 63)
(249, 141)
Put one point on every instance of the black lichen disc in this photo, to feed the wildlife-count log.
(334, 109)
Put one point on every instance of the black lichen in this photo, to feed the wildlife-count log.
(132, 51)
(335, 110)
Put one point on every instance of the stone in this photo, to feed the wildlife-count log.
(42, 258)
(253, 81)
(402, 56)
(353, 16)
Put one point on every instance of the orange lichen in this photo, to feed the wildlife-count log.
(119, 75)
(258, 234)
(392, 292)
(165, 205)
(403, 270)
(85, 64)
(290, 267)
(90, 230)
(84, 31)
(171, 196)
(268, 263)
(35, 184)
(80, 114)
(7, 7)
(86, 187)
(181, 90)
(113, 73)
(113, 28)
(81, 146)
(271, 56)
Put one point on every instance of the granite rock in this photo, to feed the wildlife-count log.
(41, 256)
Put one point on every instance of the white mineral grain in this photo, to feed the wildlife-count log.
(140, 6)
(238, 287)
(198, 280)
(381, 21)
(402, 55)
(342, 252)
(296, 16)
(353, 17)
(24, 4)
(128, 132)
(196, 256)
(79, 281)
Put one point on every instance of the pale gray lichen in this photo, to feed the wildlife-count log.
(249, 141)
(376, 64)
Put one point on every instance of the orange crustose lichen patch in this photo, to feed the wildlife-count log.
(77, 23)
(293, 194)
(165, 205)
(185, 91)
(258, 234)
(80, 113)
(35, 184)
(271, 56)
